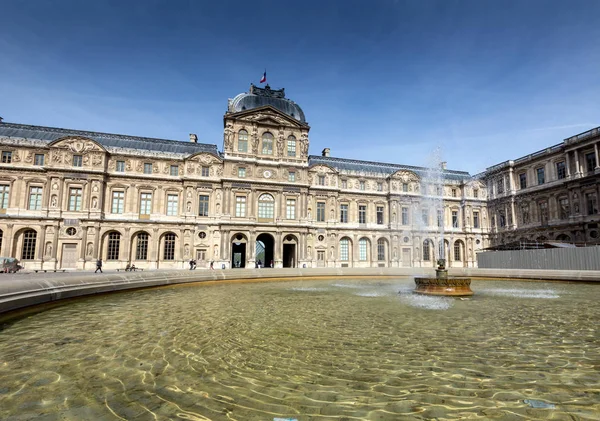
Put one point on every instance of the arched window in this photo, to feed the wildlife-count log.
(344, 249)
(266, 208)
(457, 251)
(381, 249)
(29, 243)
(169, 247)
(141, 247)
(243, 141)
(291, 146)
(114, 244)
(426, 250)
(363, 249)
(267, 144)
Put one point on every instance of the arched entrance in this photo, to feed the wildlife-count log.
(290, 259)
(265, 245)
(238, 251)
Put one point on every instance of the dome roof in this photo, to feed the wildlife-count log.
(259, 97)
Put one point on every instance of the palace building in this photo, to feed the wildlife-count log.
(69, 197)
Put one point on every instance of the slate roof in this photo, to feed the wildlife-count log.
(259, 97)
(107, 140)
(380, 167)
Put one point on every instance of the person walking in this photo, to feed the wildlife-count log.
(211, 265)
(98, 266)
(191, 264)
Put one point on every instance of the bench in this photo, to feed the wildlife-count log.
(49, 270)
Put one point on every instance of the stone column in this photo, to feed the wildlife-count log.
(596, 156)
(567, 164)
(577, 167)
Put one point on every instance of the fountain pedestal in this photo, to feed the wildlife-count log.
(442, 284)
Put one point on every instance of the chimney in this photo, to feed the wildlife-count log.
(193, 138)
(443, 165)
(325, 152)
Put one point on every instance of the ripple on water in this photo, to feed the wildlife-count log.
(308, 289)
(425, 301)
(522, 293)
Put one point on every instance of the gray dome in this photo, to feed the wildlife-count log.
(259, 97)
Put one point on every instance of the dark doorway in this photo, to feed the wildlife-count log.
(289, 255)
(238, 252)
(265, 245)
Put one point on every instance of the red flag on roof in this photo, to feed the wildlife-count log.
(263, 79)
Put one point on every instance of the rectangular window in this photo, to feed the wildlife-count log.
(362, 251)
(362, 214)
(457, 251)
(4, 193)
(321, 256)
(172, 204)
(290, 210)
(120, 166)
(475, 219)
(118, 201)
(6, 157)
(361, 185)
(320, 211)
(38, 159)
(540, 176)
(561, 171)
(243, 141)
(174, 170)
(201, 255)
(564, 210)
(292, 176)
(77, 160)
(455, 219)
(344, 184)
(543, 212)
(203, 206)
(321, 180)
(500, 185)
(380, 250)
(35, 198)
(242, 172)
(501, 219)
(440, 219)
(425, 216)
(145, 203)
(147, 168)
(379, 187)
(344, 213)
(404, 187)
(291, 147)
(240, 206)
(523, 180)
(75, 199)
(475, 193)
(380, 215)
(205, 171)
(404, 216)
(453, 193)
(590, 160)
(344, 250)
(592, 203)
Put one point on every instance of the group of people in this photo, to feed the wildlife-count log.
(259, 264)
(193, 264)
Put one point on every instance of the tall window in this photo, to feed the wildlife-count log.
(457, 251)
(242, 141)
(6, 157)
(118, 201)
(114, 243)
(540, 176)
(344, 242)
(77, 160)
(425, 216)
(440, 219)
(148, 168)
(290, 212)
(501, 219)
(240, 206)
(404, 187)
(426, 250)
(145, 203)
(404, 216)
(141, 247)
(381, 249)
(380, 215)
(291, 176)
(590, 160)
(592, 203)
(475, 219)
(174, 170)
(291, 146)
(563, 205)
(203, 205)
(543, 206)
(453, 193)
(362, 214)
(523, 180)
(361, 185)
(267, 144)
(344, 213)
(561, 171)
(38, 159)
(241, 172)
(344, 184)
(4, 194)
(501, 185)
(205, 171)
(169, 247)
(321, 180)
(379, 186)
(172, 204)
(362, 249)
(475, 193)
(455, 219)
(120, 166)
(29, 243)
(266, 208)
(320, 211)
(35, 198)
(75, 199)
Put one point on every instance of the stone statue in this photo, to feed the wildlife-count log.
(53, 201)
(94, 203)
(228, 136)
(90, 249)
(49, 249)
(189, 206)
(186, 250)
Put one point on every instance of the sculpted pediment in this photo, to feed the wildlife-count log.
(271, 118)
(78, 145)
(405, 176)
(322, 169)
(204, 158)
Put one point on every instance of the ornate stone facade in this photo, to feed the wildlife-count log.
(69, 197)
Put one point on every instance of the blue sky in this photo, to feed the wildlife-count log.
(378, 80)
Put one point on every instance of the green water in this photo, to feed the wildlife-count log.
(310, 350)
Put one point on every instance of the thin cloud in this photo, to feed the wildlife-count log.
(567, 126)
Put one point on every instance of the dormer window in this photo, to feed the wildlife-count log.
(267, 144)
(77, 160)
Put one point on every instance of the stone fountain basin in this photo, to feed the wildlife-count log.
(450, 286)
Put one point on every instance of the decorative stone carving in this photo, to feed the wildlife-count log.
(29, 157)
(228, 136)
(89, 249)
(53, 201)
(94, 202)
(255, 138)
(280, 142)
